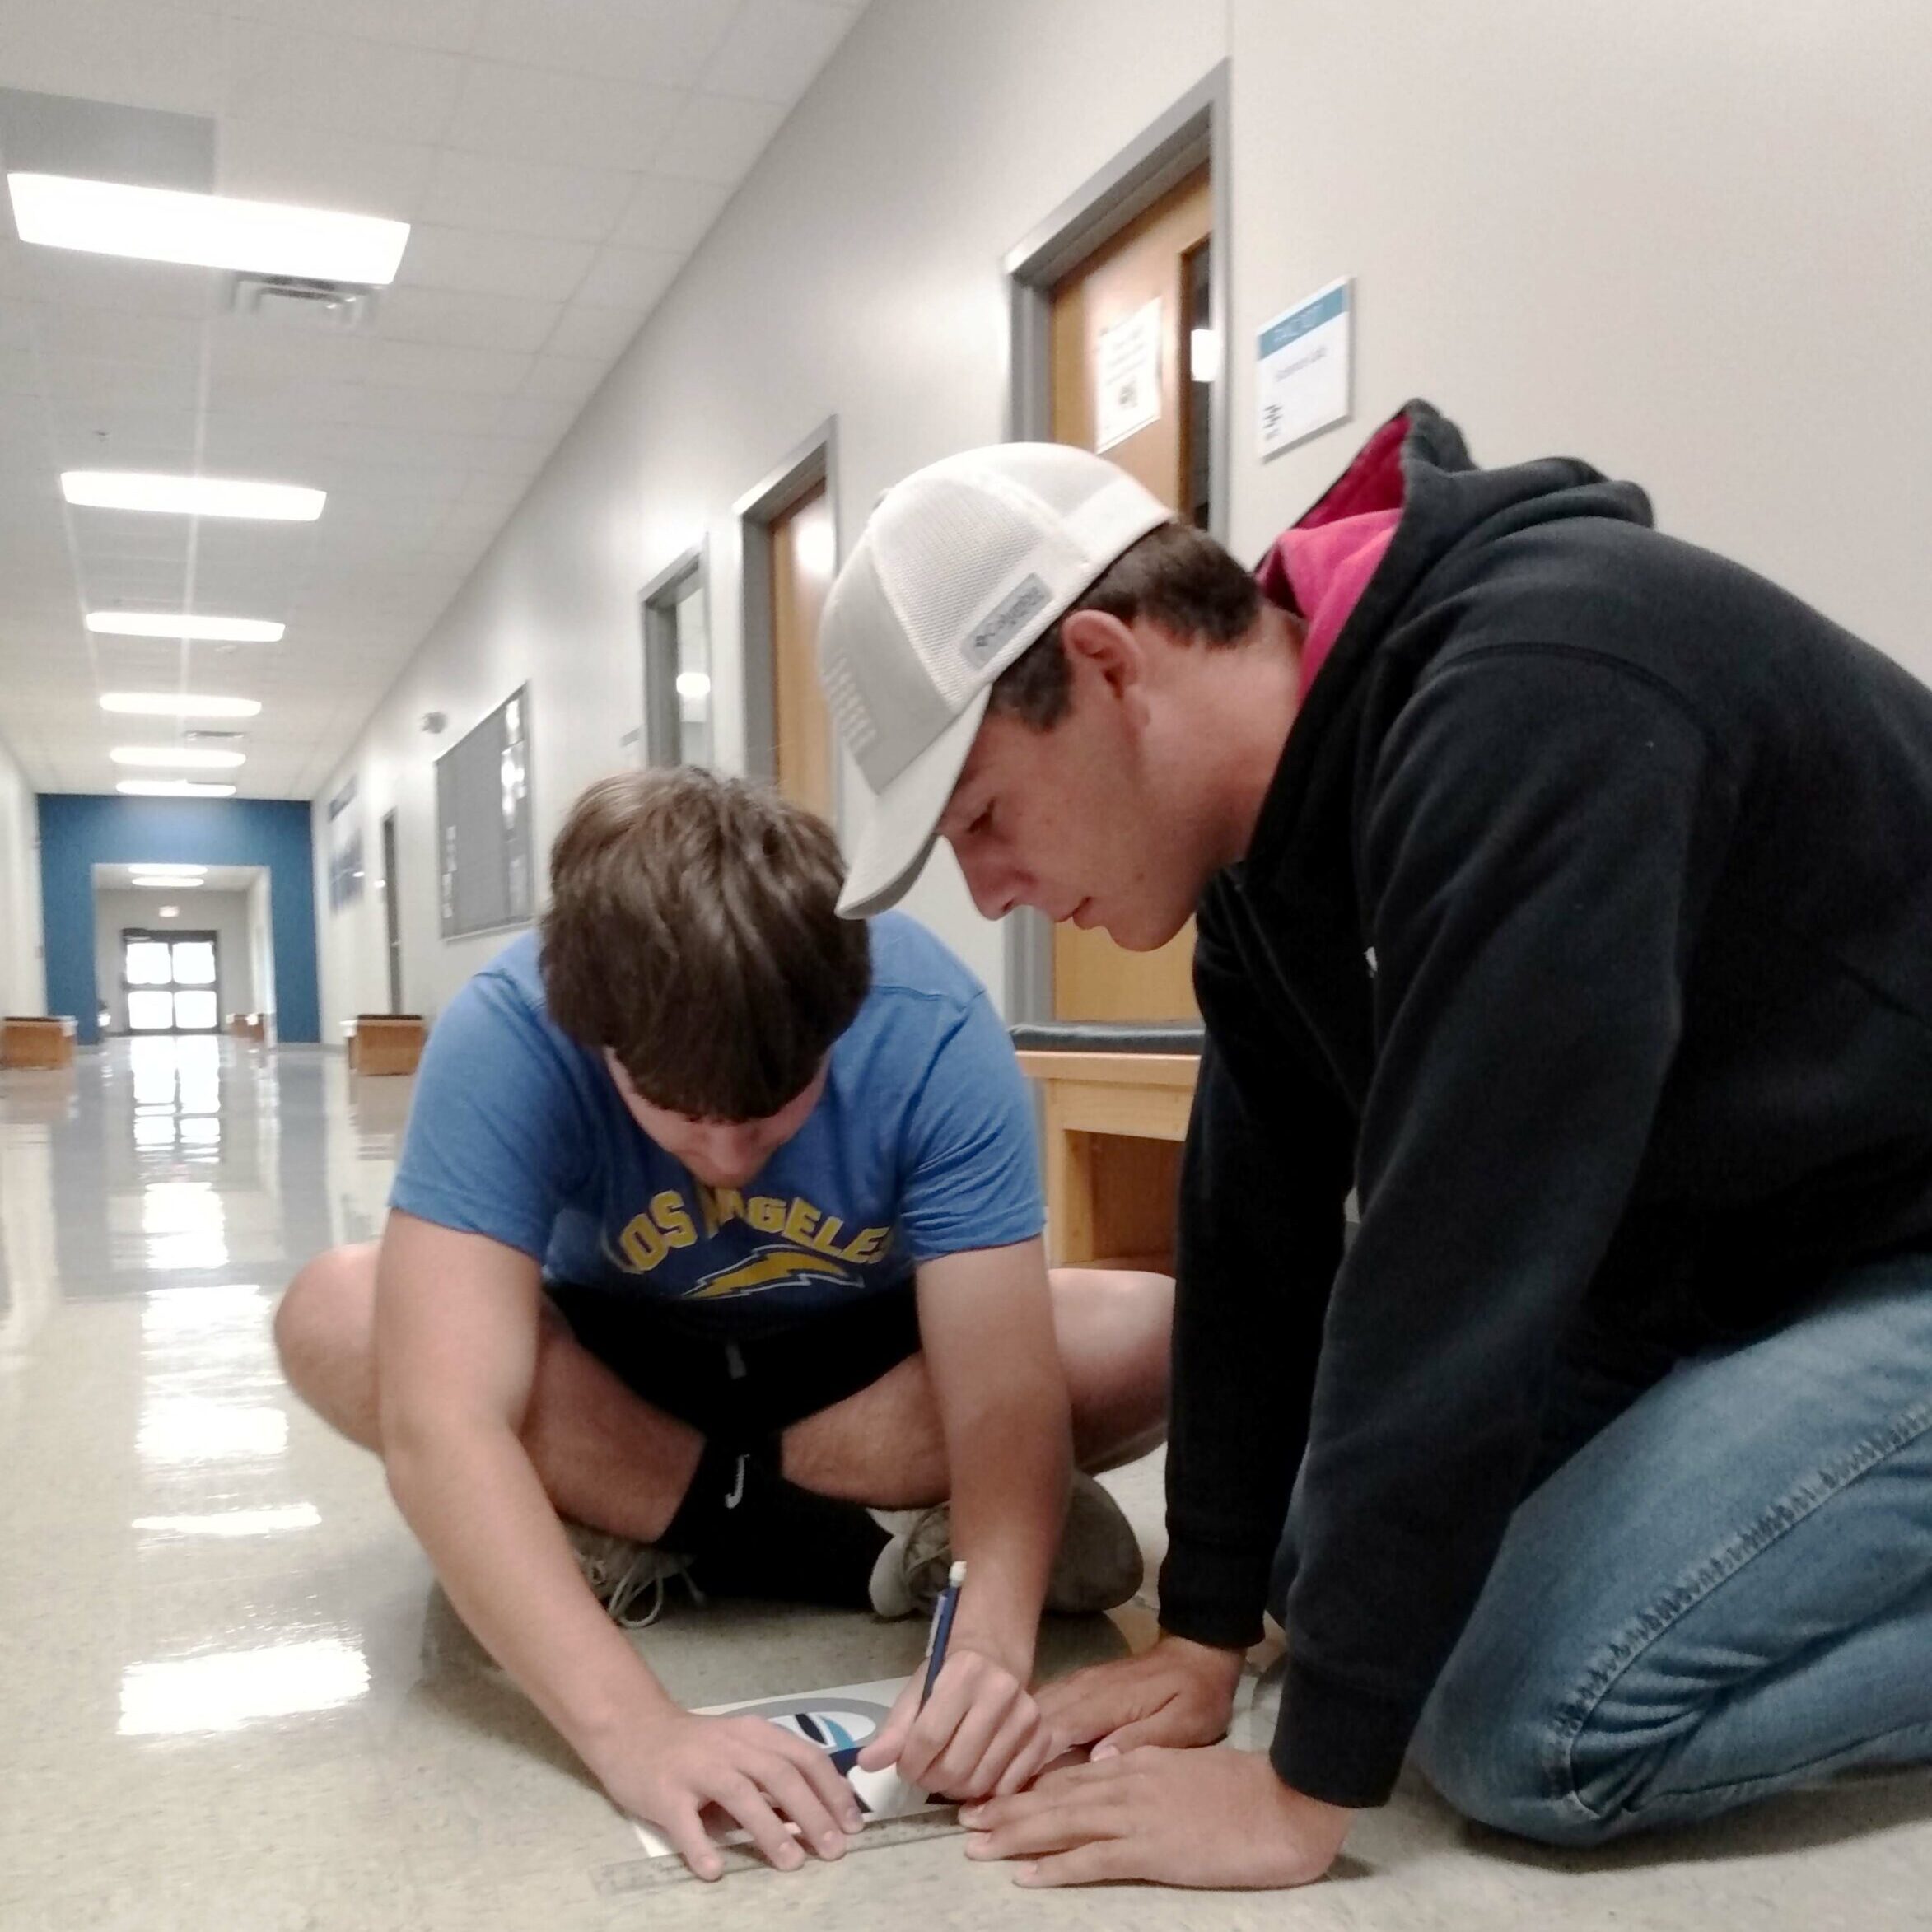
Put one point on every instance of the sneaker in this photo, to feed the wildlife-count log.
(1098, 1567)
(628, 1577)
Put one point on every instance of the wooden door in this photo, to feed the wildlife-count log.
(1154, 258)
(804, 556)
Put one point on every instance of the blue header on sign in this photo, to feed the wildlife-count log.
(1298, 322)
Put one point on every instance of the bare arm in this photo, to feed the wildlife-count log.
(457, 1324)
(457, 1320)
(985, 1320)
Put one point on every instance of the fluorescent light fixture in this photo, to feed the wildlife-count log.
(172, 788)
(161, 871)
(187, 757)
(170, 911)
(165, 623)
(167, 704)
(191, 496)
(206, 230)
(167, 882)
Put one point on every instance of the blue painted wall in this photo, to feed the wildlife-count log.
(80, 831)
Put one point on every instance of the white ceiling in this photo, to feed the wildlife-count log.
(558, 159)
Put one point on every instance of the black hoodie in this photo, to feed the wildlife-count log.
(1587, 930)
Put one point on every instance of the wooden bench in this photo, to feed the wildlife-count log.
(386, 1043)
(247, 1026)
(1116, 1100)
(34, 1039)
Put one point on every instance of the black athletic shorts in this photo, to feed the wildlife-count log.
(746, 1388)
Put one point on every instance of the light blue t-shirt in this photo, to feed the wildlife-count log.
(921, 1144)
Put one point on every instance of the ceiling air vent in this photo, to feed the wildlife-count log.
(295, 300)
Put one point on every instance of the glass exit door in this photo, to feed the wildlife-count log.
(169, 979)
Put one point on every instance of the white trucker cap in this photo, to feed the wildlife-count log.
(962, 567)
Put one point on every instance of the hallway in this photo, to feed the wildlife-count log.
(227, 1701)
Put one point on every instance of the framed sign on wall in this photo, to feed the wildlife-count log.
(483, 841)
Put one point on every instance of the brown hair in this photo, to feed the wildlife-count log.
(694, 930)
(1176, 575)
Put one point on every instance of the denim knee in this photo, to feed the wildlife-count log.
(1500, 1753)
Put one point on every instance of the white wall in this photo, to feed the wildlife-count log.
(1692, 243)
(855, 273)
(23, 985)
(223, 914)
(1688, 243)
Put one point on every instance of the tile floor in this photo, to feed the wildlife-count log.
(222, 1706)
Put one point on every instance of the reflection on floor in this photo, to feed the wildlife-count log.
(222, 1702)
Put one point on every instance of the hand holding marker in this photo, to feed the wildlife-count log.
(942, 1629)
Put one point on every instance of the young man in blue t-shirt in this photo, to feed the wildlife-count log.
(718, 1220)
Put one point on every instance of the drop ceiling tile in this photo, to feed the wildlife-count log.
(64, 276)
(332, 81)
(557, 375)
(629, 278)
(526, 197)
(25, 418)
(775, 48)
(125, 535)
(99, 381)
(665, 212)
(511, 456)
(138, 52)
(469, 413)
(544, 417)
(500, 372)
(717, 137)
(665, 41)
(94, 438)
(496, 492)
(467, 320)
(16, 324)
(479, 261)
(20, 372)
(424, 481)
(450, 25)
(324, 167)
(282, 399)
(249, 346)
(578, 120)
(126, 335)
(600, 334)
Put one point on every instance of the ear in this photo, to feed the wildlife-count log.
(1103, 644)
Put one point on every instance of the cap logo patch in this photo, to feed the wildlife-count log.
(999, 624)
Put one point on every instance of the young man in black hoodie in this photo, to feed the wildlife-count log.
(1565, 892)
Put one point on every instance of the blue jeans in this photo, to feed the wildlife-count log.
(1725, 1592)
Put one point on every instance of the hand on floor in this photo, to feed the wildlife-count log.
(758, 1774)
(982, 1733)
(1210, 1818)
(1178, 1693)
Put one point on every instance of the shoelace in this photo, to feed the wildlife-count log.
(644, 1577)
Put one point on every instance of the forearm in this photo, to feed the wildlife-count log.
(470, 1494)
(1011, 1463)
